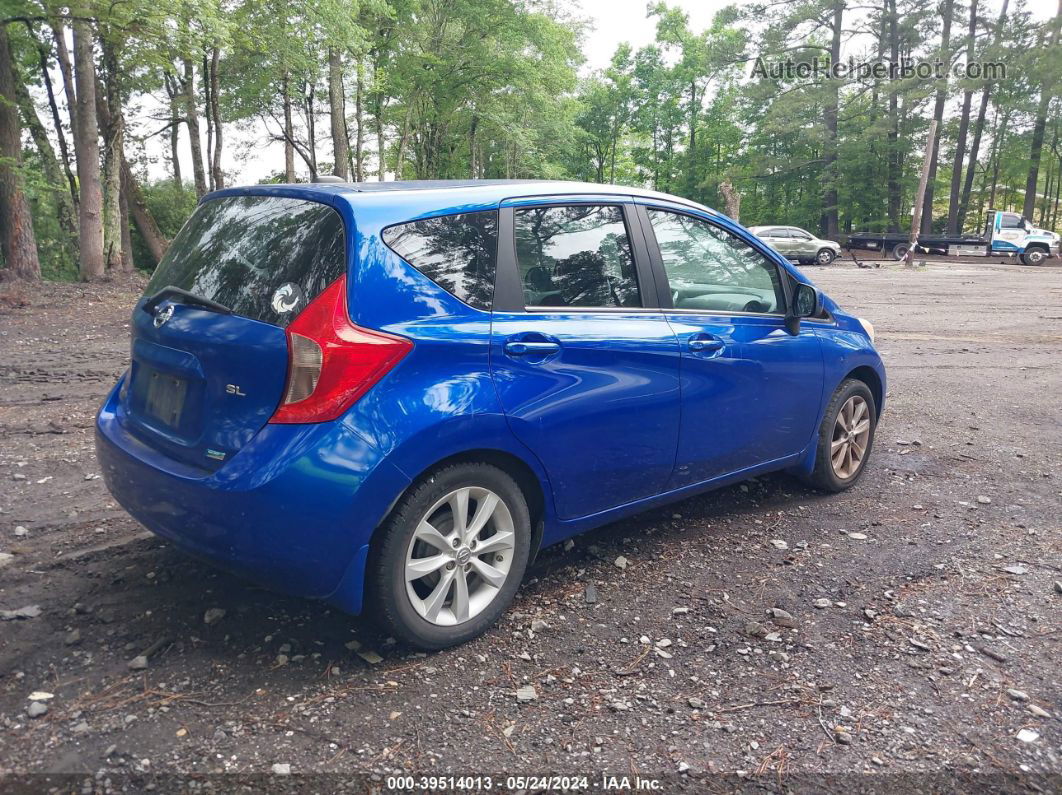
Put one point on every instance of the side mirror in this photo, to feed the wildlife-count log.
(807, 302)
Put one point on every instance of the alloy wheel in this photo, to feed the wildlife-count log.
(825, 257)
(851, 435)
(459, 556)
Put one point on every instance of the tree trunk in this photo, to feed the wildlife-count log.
(209, 117)
(309, 94)
(289, 134)
(380, 150)
(87, 147)
(57, 123)
(191, 118)
(338, 114)
(996, 156)
(1047, 93)
(174, 92)
(829, 195)
(66, 68)
(109, 111)
(964, 125)
(215, 111)
(938, 116)
(65, 211)
(17, 242)
(359, 140)
(892, 178)
(979, 126)
(142, 217)
(127, 238)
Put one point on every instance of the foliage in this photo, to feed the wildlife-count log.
(492, 88)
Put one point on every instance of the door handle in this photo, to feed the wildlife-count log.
(531, 347)
(704, 342)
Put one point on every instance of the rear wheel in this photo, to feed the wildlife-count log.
(825, 256)
(450, 557)
(899, 251)
(846, 437)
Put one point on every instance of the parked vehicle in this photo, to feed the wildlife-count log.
(794, 243)
(390, 396)
(1004, 233)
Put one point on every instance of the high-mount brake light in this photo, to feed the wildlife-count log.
(331, 362)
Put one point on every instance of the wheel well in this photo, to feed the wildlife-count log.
(512, 466)
(1041, 246)
(871, 379)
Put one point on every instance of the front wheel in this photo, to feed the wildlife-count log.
(846, 437)
(449, 558)
(899, 251)
(825, 256)
(1033, 256)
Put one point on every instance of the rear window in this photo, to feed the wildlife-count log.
(264, 257)
(457, 252)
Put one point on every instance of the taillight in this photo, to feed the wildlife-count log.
(332, 362)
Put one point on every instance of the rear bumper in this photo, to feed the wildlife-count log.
(293, 509)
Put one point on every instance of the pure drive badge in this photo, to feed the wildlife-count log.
(286, 298)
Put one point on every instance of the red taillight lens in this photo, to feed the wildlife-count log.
(332, 362)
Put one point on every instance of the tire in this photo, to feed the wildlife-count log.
(899, 251)
(1033, 256)
(825, 256)
(391, 597)
(826, 475)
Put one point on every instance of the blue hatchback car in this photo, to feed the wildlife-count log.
(390, 396)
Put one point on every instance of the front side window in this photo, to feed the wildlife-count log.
(799, 234)
(457, 252)
(709, 268)
(1009, 221)
(575, 255)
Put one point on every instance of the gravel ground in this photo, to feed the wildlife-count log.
(902, 635)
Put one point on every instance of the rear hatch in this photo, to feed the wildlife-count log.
(209, 350)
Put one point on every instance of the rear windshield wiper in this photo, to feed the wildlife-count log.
(183, 297)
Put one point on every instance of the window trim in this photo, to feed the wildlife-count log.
(508, 287)
(497, 248)
(664, 290)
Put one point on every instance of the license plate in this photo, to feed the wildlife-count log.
(165, 398)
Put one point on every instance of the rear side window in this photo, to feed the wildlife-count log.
(575, 255)
(457, 252)
(264, 257)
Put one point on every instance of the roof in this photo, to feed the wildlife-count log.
(471, 191)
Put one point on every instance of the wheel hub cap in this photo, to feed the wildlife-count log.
(459, 556)
(851, 437)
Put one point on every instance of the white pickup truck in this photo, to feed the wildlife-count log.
(1005, 233)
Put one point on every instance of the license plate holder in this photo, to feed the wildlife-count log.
(165, 397)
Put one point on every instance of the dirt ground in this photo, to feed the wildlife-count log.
(926, 602)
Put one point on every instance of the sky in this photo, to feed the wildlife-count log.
(251, 156)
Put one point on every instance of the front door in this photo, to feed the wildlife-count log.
(751, 391)
(585, 363)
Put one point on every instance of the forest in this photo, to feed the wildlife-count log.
(102, 102)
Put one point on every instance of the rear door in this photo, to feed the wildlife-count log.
(584, 361)
(209, 351)
(782, 241)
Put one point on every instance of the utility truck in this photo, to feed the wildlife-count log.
(1005, 234)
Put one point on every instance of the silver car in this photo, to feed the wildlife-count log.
(795, 244)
